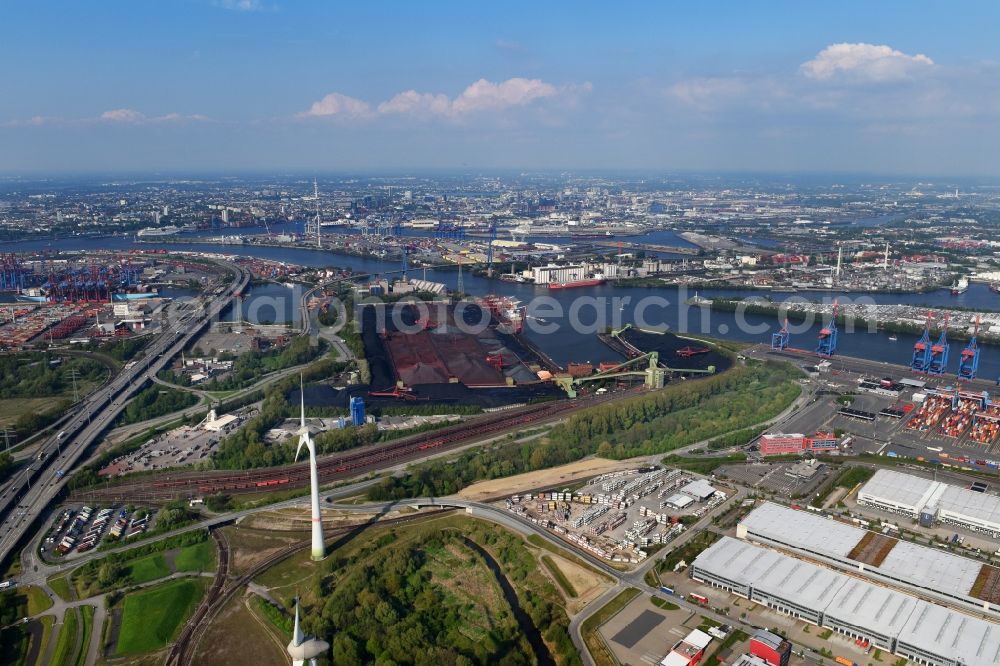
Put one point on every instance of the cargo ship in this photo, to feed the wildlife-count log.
(960, 287)
(148, 232)
(509, 313)
(595, 281)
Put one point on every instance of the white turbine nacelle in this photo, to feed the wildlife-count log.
(304, 650)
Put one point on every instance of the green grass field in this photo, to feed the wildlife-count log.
(86, 636)
(65, 652)
(12, 408)
(199, 557)
(48, 622)
(60, 585)
(152, 618)
(147, 568)
(38, 601)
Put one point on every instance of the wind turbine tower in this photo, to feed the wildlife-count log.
(305, 439)
(301, 649)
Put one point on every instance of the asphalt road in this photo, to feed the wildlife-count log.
(21, 505)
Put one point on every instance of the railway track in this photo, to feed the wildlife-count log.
(176, 657)
(219, 594)
(184, 485)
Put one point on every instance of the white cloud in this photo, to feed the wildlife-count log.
(339, 105)
(418, 104)
(485, 95)
(133, 117)
(864, 62)
(480, 97)
(241, 5)
(122, 116)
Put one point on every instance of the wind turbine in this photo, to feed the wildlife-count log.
(318, 547)
(302, 649)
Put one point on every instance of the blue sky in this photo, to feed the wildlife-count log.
(269, 85)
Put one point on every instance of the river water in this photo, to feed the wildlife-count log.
(563, 323)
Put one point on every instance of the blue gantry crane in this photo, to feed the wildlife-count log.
(968, 362)
(939, 352)
(921, 360)
(827, 345)
(779, 340)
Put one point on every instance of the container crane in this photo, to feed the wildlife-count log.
(654, 375)
(827, 345)
(779, 340)
(921, 360)
(968, 362)
(939, 352)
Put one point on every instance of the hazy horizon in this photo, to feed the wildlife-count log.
(891, 89)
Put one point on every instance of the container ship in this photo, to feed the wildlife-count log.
(960, 287)
(595, 281)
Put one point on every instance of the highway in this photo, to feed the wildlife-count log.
(22, 504)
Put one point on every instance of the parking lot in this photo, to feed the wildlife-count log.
(782, 478)
(78, 529)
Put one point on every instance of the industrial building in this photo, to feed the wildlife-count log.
(771, 648)
(749, 660)
(926, 500)
(781, 443)
(689, 650)
(932, 571)
(894, 621)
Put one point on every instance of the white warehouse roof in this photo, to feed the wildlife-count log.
(802, 529)
(800, 582)
(679, 501)
(950, 635)
(905, 490)
(699, 489)
(907, 563)
(878, 608)
(950, 502)
(966, 640)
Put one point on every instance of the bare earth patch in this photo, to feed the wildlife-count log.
(297, 519)
(249, 546)
(588, 584)
(257, 643)
(543, 478)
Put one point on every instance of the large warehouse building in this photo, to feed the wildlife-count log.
(926, 500)
(899, 623)
(951, 578)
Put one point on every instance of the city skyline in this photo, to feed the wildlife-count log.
(242, 85)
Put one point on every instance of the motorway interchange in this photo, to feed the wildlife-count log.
(27, 500)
